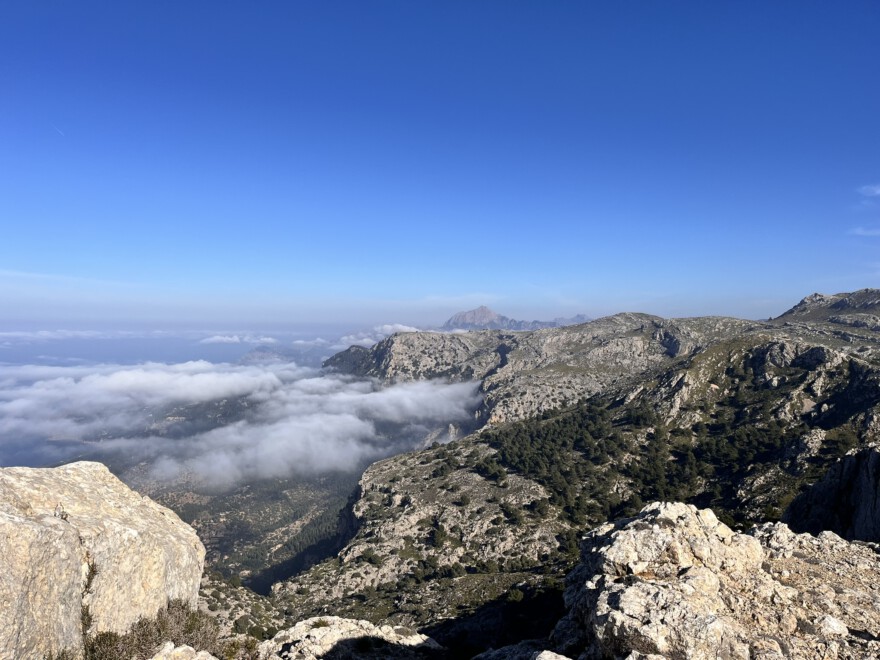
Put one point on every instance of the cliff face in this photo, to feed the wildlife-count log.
(846, 501)
(76, 537)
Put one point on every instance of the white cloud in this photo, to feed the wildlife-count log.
(221, 339)
(318, 341)
(872, 190)
(864, 231)
(368, 338)
(50, 335)
(281, 418)
(55, 278)
(238, 339)
(393, 328)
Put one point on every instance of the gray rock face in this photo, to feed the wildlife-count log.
(674, 582)
(334, 637)
(846, 501)
(75, 536)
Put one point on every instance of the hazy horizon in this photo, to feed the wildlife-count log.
(249, 330)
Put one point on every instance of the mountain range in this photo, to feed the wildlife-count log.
(631, 486)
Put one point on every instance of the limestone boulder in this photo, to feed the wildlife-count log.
(76, 537)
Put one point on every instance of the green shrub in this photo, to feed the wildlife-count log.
(176, 622)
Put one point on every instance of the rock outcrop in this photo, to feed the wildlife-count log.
(846, 501)
(75, 537)
(674, 582)
(333, 637)
(171, 652)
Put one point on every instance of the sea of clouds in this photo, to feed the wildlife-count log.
(292, 419)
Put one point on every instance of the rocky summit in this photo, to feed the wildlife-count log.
(75, 540)
(858, 309)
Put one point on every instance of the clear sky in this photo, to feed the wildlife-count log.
(279, 162)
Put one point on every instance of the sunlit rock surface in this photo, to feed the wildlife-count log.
(75, 536)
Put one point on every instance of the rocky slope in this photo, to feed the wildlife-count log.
(436, 540)
(77, 546)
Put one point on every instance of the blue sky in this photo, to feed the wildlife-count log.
(238, 163)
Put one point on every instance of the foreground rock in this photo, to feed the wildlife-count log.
(674, 582)
(334, 637)
(76, 537)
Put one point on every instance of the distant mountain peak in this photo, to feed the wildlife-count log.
(483, 318)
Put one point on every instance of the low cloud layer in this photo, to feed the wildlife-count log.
(368, 338)
(238, 339)
(225, 423)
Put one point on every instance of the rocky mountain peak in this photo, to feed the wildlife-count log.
(824, 307)
(481, 317)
